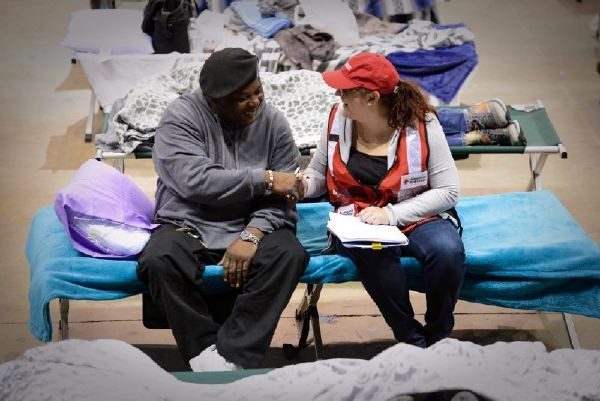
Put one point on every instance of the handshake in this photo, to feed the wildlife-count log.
(292, 186)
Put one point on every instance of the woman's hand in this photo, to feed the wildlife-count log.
(288, 185)
(304, 182)
(374, 215)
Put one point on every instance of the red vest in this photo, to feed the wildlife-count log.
(408, 171)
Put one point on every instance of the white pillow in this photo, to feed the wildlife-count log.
(110, 237)
(110, 31)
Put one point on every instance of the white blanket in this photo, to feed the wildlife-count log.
(113, 370)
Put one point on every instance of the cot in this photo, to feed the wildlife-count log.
(116, 60)
(111, 77)
(542, 141)
(532, 255)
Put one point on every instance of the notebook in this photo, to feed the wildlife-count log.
(355, 234)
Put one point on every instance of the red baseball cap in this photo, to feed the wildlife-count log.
(364, 70)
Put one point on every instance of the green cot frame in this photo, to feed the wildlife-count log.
(542, 140)
(217, 377)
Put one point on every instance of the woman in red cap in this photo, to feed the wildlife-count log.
(384, 158)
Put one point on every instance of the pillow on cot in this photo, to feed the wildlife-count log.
(104, 213)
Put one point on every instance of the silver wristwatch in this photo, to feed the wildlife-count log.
(248, 236)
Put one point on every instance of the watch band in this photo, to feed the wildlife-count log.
(246, 235)
(271, 182)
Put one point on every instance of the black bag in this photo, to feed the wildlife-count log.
(166, 21)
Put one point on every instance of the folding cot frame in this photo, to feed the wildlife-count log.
(214, 5)
(268, 62)
(506, 274)
(542, 141)
(161, 63)
(88, 134)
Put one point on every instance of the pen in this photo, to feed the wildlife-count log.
(297, 170)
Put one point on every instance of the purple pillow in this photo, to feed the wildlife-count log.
(101, 198)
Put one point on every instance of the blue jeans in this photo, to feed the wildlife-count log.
(455, 125)
(439, 248)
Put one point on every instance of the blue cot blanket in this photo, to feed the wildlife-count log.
(524, 251)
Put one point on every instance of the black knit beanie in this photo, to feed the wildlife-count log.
(226, 71)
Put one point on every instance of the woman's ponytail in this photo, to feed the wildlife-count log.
(406, 105)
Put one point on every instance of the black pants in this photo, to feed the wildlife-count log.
(172, 264)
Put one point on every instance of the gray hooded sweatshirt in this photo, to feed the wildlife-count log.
(211, 177)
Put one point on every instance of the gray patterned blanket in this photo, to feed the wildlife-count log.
(301, 95)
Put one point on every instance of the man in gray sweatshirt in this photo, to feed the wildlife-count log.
(225, 161)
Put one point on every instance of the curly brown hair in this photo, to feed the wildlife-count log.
(406, 105)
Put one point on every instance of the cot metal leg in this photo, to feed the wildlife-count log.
(121, 165)
(536, 165)
(307, 313)
(573, 338)
(119, 160)
(90, 118)
(63, 324)
(316, 329)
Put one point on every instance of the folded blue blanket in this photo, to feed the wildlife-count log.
(440, 72)
(266, 27)
(524, 251)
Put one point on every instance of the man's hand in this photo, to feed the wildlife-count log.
(236, 262)
(374, 215)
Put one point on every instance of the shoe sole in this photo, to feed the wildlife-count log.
(517, 140)
(500, 102)
(522, 139)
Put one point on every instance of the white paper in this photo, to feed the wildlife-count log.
(354, 233)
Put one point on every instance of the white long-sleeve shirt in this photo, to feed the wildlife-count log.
(413, 204)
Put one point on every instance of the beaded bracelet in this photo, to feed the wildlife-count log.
(271, 180)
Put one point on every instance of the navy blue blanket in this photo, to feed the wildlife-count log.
(440, 72)
(524, 251)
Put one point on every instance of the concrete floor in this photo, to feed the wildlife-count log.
(528, 49)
